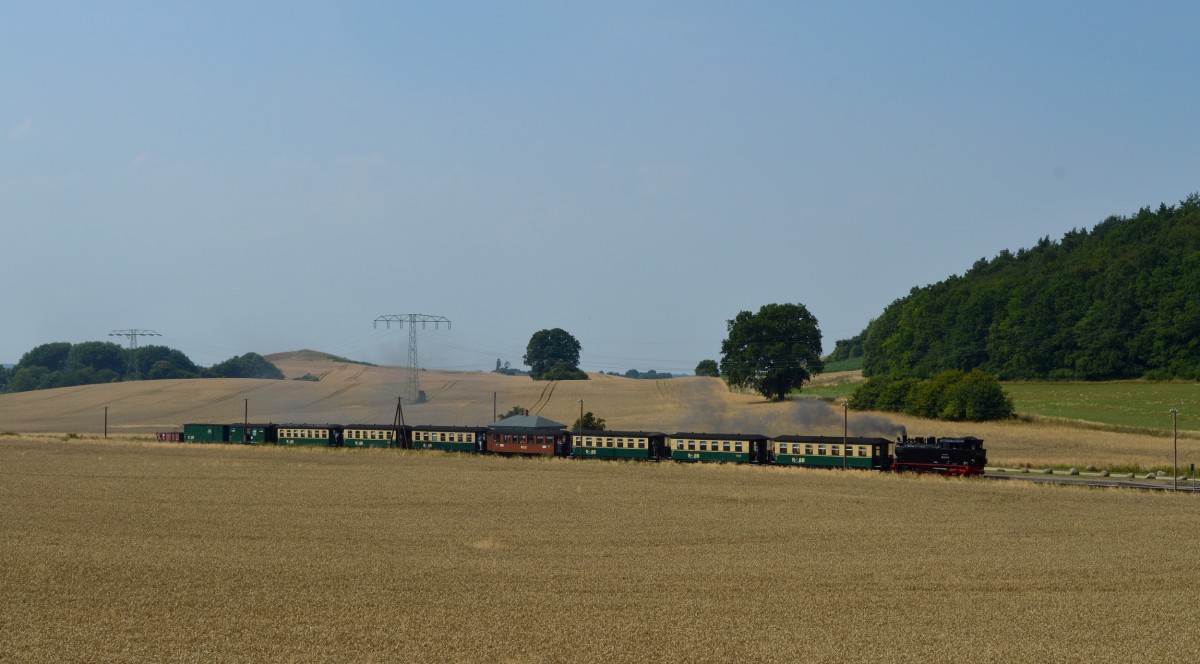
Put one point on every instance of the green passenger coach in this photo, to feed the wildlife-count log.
(618, 445)
(831, 452)
(309, 434)
(369, 435)
(450, 438)
(721, 447)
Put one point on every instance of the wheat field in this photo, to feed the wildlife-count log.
(128, 551)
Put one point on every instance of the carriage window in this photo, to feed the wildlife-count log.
(862, 452)
(691, 444)
(679, 444)
(821, 450)
(837, 450)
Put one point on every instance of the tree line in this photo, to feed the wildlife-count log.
(1120, 301)
(63, 364)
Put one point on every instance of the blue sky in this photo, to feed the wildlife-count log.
(276, 177)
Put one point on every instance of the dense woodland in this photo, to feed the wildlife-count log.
(1120, 301)
(62, 364)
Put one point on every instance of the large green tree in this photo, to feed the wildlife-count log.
(163, 362)
(553, 355)
(773, 351)
(98, 355)
(51, 356)
(250, 365)
(708, 368)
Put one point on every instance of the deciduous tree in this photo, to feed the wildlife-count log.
(773, 351)
(553, 355)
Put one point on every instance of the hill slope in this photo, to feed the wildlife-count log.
(355, 393)
(1121, 301)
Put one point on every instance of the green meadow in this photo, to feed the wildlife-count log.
(1132, 404)
(1135, 405)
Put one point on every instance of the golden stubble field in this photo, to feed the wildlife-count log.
(358, 394)
(127, 551)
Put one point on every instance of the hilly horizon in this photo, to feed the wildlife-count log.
(347, 392)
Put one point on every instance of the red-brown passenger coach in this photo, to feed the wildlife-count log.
(528, 434)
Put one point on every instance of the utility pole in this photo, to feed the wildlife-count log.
(133, 336)
(1175, 437)
(398, 426)
(845, 436)
(412, 388)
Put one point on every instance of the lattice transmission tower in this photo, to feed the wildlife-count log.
(133, 337)
(412, 386)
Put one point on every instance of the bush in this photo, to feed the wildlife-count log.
(950, 395)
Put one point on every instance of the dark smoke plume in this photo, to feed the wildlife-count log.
(812, 415)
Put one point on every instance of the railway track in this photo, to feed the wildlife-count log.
(1098, 482)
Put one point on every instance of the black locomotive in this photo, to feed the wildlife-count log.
(946, 456)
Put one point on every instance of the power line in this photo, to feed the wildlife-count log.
(133, 336)
(412, 390)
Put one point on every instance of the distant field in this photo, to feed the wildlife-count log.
(1135, 404)
(852, 364)
(123, 551)
(1123, 404)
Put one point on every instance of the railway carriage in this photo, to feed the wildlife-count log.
(720, 447)
(528, 442)
(619, 445)
(371, 435)
(326, 435)
(252, 434)
(450, 439)
(831, 452)
(528, 435)
(206, 433)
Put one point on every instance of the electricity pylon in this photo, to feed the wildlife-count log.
(412, 386)
(133, 335)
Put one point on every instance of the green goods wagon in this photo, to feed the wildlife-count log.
(206, 433)
(617, 444)
(719, 447)
(252, 434)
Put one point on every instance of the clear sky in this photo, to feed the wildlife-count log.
(271, 176)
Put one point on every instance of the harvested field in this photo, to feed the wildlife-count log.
(125, 551)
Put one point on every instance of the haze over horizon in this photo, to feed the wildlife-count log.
(274, 177)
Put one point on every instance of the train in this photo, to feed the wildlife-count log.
(525, 435)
